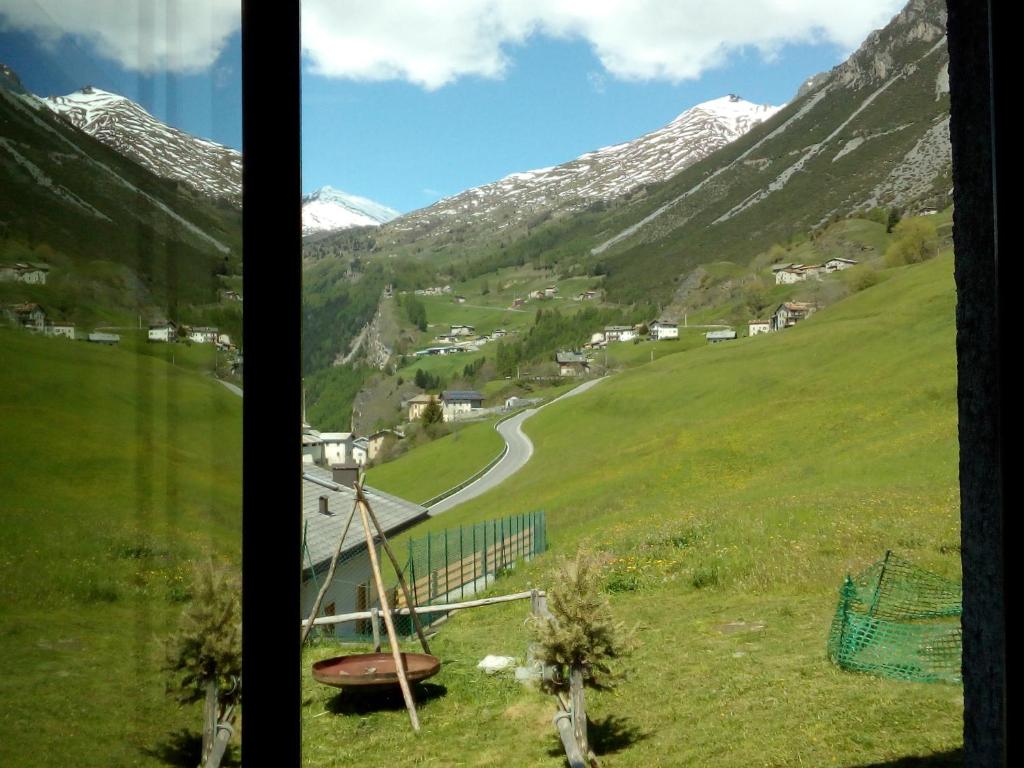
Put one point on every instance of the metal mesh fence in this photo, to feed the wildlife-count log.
(898, 621)
(449, 565)
(441, 567)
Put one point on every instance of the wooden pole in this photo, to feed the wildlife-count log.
(563, 723)
(209, 717)
(307, 628)
(398, 569)
(392, 637)
(375, 624)
(579, 708)
(341, 618)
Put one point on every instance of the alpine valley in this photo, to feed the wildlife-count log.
(684, 218)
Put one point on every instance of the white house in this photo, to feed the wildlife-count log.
(797, 273)
(360, 451)
(24, 272)
(312, 446)
(337, 447)
(838, 264)
(789, 313)
(462, 330)
(458, 404)
(202, 335)
(223, 340)
(619, 333)
(755, 327)
(163, 332)
(67, 330)
(790, 275)
(28, 315)
(325, 509)
(662, 329)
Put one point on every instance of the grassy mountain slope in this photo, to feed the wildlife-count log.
(728, 486)
(117, 472)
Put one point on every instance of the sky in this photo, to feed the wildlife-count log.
(408, 101)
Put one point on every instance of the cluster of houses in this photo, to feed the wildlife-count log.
(435, 291)
(456, 404)
(328, 449)
(544, 293)
(787, 274)
(169, 332)
(31, 273)
(657, 330)
(462, 338)
(32, 317)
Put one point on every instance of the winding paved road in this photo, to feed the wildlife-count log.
(520, 449)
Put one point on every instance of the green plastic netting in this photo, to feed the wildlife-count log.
(898, 621)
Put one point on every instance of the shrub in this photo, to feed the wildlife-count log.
(584, 634)
(916, 241)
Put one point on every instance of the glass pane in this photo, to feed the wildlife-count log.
(720, 249)
(120, 379)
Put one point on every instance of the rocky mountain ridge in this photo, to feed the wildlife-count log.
(599, 176)
(210, 168)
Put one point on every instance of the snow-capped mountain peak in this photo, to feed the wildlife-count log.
(330, 209)
(600, 175)
(126, 127)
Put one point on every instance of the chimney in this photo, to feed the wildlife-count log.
(323, 506)
(345, 474)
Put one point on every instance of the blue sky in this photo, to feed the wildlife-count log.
(406, 147)
(207, 103)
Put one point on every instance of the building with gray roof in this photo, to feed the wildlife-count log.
(326, 505)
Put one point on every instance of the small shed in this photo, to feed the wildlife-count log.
(714, 337)
(97, 337)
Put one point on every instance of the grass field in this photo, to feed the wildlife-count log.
(439, 465)
(117, 471)
(729, 488)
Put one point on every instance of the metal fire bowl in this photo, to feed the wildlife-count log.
(373, 670)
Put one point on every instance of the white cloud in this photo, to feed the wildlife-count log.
(145, 36)
(432, 43)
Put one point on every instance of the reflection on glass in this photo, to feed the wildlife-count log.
(121, 358)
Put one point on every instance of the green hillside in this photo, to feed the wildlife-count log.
(729, 489)
(117, 472)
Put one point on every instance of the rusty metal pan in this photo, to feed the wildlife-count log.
(373, 670)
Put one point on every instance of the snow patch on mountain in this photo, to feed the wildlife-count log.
(602, 174)
(330, 209)
(126, 127)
